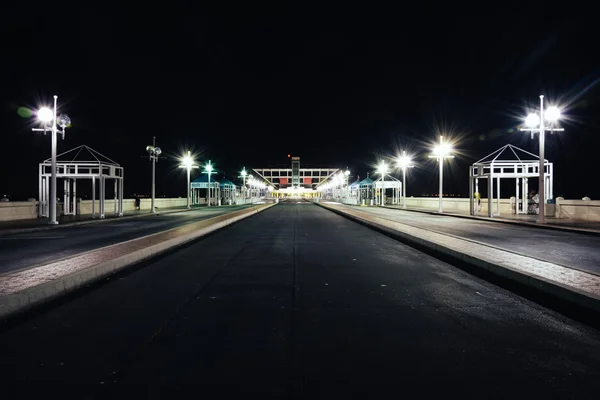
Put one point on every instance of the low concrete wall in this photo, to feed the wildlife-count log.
(85, 206)
(585, 210)
(15, 210)
(457, 205)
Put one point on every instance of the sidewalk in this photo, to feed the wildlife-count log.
(38, 224)
(592, 227)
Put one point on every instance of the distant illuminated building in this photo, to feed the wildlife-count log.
(295, 181)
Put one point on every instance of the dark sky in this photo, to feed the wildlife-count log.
(337, 86)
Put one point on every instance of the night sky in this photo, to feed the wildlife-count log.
(338, 86)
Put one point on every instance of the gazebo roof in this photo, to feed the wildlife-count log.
(355, 183)
(83, 155)
(224, 182)
(366, 182)
(204, 179)
(509, 154)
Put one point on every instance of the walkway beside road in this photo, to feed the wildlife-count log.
(29, 225)
(30, 248)
(298, 302)
(521, 219)
(570, 249)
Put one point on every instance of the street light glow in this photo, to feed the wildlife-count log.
(45, 114)
(552, 114)
(187, 161)
(404, 161)
(443, 149)
(382, 168)
(532, 120)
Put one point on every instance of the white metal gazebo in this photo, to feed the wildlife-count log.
(508, 162)
(390, 182)
(81, 162)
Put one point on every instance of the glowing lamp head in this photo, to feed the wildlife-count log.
(442, 150)
(209, 168)
(347, 172)
(244, 172)
(404, 161)
(552, 114)
(157, 151)
(63, 121)
(382, 168)
(45, 114)
(532, 120)
(187, 161)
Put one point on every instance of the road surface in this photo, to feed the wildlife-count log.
(34, 248)
(299, 302)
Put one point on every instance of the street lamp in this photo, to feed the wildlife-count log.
(47, 116)
(208, 169)
(187, 162)
(243, 175)
(153, 152)
(404, 162)
(347, 174)
(340, 181)
(383, 170)
(536, 123)
(442, 151)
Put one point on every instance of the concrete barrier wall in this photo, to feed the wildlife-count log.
(586, 210)
(85, 206)
(457, 205)
(15, 210)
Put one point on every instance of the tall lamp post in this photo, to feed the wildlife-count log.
(243, 175)
(383, 170)
(153, 152)
(404, 162)
(47, 116)
(441, 152)
(187, 162)
(347, 175)
(537, 123)
(209, 170)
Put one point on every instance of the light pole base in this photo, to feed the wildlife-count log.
(53, 223)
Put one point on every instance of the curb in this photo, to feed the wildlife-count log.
(581, 300)
(26, 300)
(503, 221)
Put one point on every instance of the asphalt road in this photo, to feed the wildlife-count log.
(33, 248)
(299, 302)
(570, 249)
